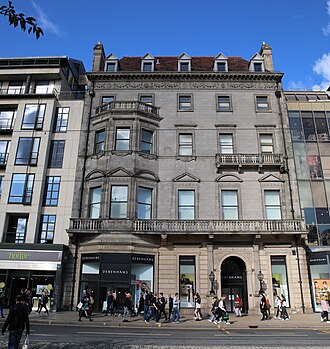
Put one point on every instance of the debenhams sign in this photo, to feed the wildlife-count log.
(115, 272)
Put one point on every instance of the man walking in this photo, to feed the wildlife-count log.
(17, 319)
(176, 312)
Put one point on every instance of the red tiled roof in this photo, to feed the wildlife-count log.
(131, 64)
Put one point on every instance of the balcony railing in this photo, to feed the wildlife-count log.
(194, 226)
(6, 125)
(128, 106)
(45, 90)
(258, 160)
(3, 159)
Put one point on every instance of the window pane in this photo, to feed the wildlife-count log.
(315, 168)
(56, 154)
(223, 103)
(229, 203)
(321, 126)
(229, 198)
(147, 66)
(119, 202)
(7, 118)
(262, 103)
(144, 203)
(122, 139)
(186, 197)
(62, 117)
(146, 99)
(1, 184)
(226, 144)
(95, 202)
(309, 128)
(24, 151)
(221, 66)
(184, 66)
(296, 129)
(99, 141)
(185, 145)
(146, 141)
(229, 213)
(52, 191)
(184, 102)
(17, 188)
(108, 99)
(273, 205)
(111, 67)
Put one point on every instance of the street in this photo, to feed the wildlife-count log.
(70, 336)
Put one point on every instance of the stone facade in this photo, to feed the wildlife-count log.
(190, 169)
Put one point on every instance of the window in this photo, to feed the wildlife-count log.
(257, 67)
(108, 99)
(221, 66)
(272, 204)
(33, 116)
(4, 152)
(279, 277)
(21, 189)
(7, 118)
(224, 103)
(16, 229)
(122, 138)
(146, 142)
(321, 126)
(185, 144)
(229, 204)
(266, 143)
(186, 204)
(262, 103)
(147, 66)
(144, 203)
(27, 151)
(47, 229)
(62, 117)
(118, 209)
(16, 87)
(147, 99)
(52, 190)
(44, 87)
(95, 202)
(185, 103)
(184, 66)
(2, 180)
(56, 154)
(111, 67)
(226, 143)
(99, 141)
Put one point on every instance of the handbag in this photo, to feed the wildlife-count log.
(79, 306)
(26, 344)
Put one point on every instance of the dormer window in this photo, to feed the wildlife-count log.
(111, 63)
(220, 63)
(184, 63)
(148, 63)
(257, 64)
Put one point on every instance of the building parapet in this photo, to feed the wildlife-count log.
(128, 106)
(161, 226)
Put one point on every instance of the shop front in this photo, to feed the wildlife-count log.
(319, 269)
(118, 273)
(31, 269)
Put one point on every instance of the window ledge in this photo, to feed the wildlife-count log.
(121, 152)
(148, 156)
(186, 158)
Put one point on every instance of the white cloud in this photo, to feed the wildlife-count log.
(326, 30)
(44, 22)
(297, 86)
(322, 67)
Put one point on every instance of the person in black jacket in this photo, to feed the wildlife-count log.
(17, 320)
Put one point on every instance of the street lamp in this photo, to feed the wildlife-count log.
(260, 277)
(212, 278)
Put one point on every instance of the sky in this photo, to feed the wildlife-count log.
(297, 30)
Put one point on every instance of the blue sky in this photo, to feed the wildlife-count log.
(297, 30)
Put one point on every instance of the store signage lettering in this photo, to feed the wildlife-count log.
(142, 259)
(21, 256)
(231, 277)
(111, 271)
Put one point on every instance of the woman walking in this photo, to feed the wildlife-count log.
(198, 313)
(85, 300)
(238, 304)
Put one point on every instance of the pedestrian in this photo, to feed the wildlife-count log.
(284, 313)
(162, 304)
(214, 310)
(277, 307)
(263, 307)
(91, 303)
(325, 309)
(29, 299)
(176, 309)
(268, 306)
(238, 304)
(152, 313)
(141, 304)
(198, 312)
(17, 320)
(147, 303)
(2, 303)
(128, 304)
(43, 300)
(84, 310)
(223, 314)
(170, 305)
(109, 301)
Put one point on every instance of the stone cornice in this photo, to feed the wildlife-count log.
(191, 80)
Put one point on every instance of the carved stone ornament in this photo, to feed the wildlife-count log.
(200, 85)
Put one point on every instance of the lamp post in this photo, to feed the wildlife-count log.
(260, 277)
(212, 278)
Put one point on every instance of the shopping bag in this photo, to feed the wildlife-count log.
(26, 344)
(79, 306)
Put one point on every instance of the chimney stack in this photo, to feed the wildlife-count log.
(266, 53)
(99, 58)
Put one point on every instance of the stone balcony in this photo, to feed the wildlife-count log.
(162, 226)
(240, 161)
(128, 107)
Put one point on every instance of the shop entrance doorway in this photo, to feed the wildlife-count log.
(233, 282)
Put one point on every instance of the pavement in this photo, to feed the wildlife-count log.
(70, 318)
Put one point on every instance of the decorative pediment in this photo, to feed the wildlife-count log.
(184, 57)
(119, 172)
(147, 175)
(257, 63)
(186, 177)
(257, 57)
(270, 178)
(220, 63)
(148, 56)
(229, 178)
(111, 57)
(96, 174)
